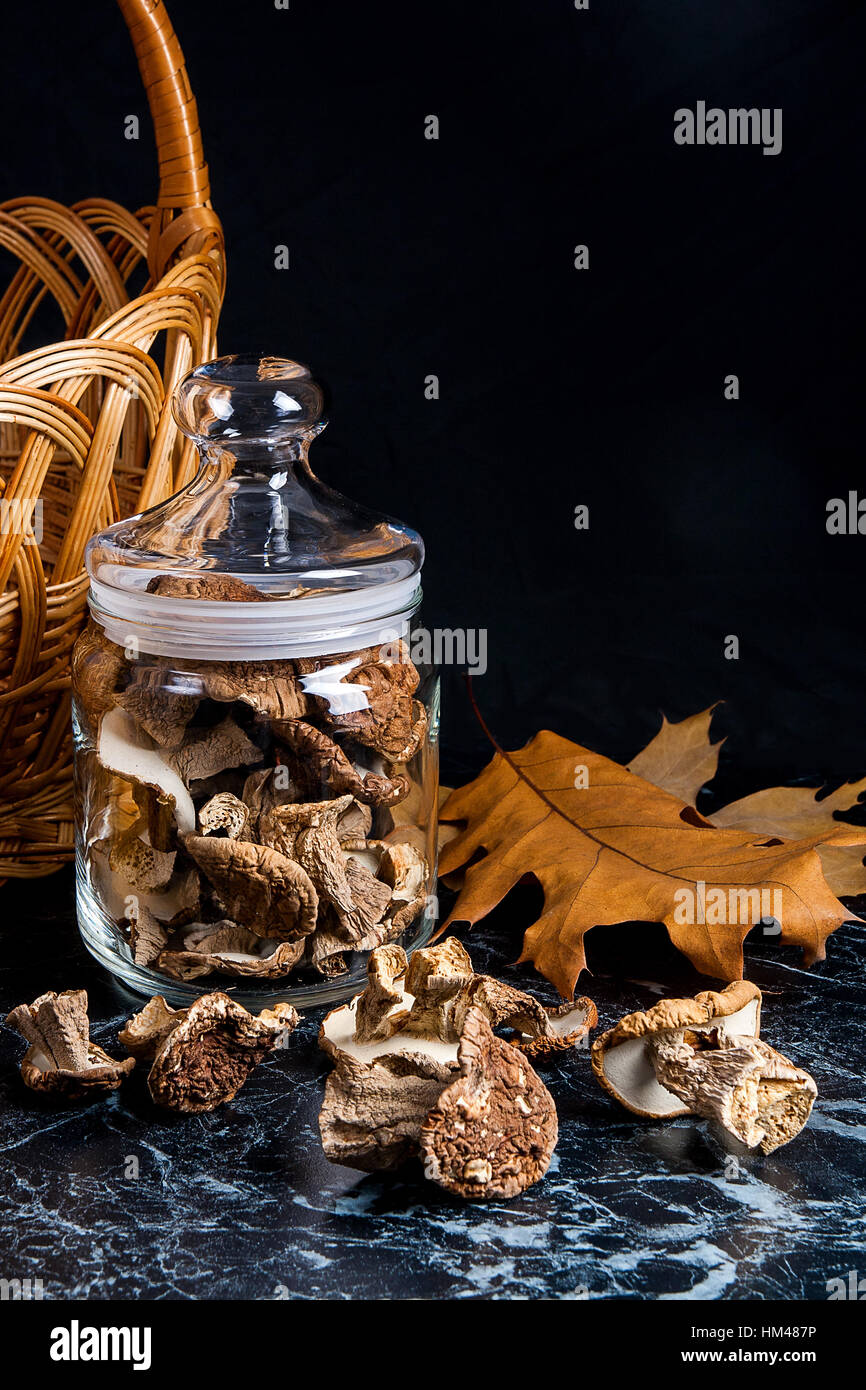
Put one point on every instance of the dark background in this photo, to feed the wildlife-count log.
(558, 387)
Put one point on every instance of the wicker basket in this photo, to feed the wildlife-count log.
(85, 426)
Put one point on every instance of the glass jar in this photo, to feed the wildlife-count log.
(255, 746)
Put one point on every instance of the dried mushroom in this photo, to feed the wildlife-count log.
(376, 1018)
(142, 867)
(621, 1058)
(442, 987)
(144, 1033)
(270, 688)
(147, 935)
(228, 949)
(408, 1065)
(61, 1059)
(97, 668)
(204, 1059)
(741, 1083)
(162, 702)
(320, 763)
(176, 903)
(436, 982)
(122, 749)
(368, 696)
(225, 814)
(703, 1056)
(493, 1130)
(219, 588)
(257, 887)
(206, 752)
(538, 1030)
(355, 822)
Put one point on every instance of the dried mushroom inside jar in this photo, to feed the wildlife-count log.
(240, 766)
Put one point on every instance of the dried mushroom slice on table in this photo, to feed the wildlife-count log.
(205, 1058)
(258, 887)
(61, 1059)
(144, 1033)
(396, 1055)
(493, 1130)
(740, 1083)
(228, 949)
(538, 1030)
(621, 1058)
(376, 1018)
(441, 987)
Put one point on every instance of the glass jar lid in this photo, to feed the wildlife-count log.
(255, 558)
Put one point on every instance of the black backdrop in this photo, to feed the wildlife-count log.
(558, 387)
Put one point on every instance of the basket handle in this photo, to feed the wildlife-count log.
(184, 185)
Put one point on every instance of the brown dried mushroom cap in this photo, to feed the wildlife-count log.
(143, 868)
(539, 1030)
(269, 687)
(372, 1111)
(146, 1031)
(147, 935)
(319, 763)
(741, 1083)
(355, 822)
(230, 950)
(162, 702)
(61, 1059)
(376, 1018)
(436, 981)
(206, 752)
(493, 1130)
(218, 588)
(178, 902)
(404, 869)
(97, 668)
(206, 1058)
(364, 929)
(306, 832)
(368, 696)
(225, 814)
(258, 887)
(122, 749)
(621, 1057)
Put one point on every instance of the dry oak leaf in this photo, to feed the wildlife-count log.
(620, 850)
(680, 758)
(793, 812)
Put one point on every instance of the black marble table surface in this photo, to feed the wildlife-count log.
(118, 1200)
